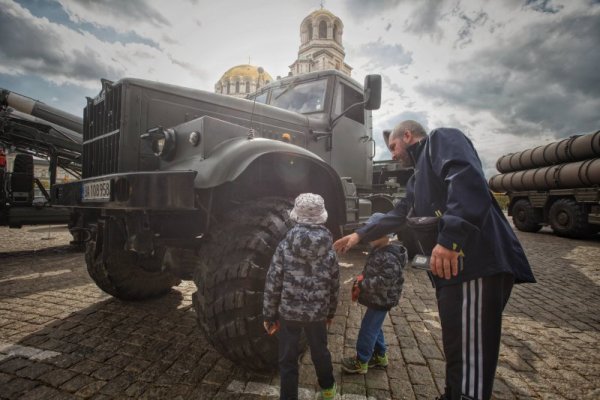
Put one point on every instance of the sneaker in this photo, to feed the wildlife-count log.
(329, 394)
(353, 366)
(378, 361)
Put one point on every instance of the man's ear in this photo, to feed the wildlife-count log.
(408, 136)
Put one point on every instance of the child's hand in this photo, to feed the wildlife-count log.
(356, 287)
(271, 327)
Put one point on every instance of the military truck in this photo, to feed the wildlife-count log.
(557, 184)
(181, 183)
(31, 128)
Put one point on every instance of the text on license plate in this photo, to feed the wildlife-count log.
(96, 191)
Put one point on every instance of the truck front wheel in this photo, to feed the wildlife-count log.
(569, 219)
(231, 278)
(121, 273)
(525, 217)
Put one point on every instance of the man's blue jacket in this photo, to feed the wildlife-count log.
(448, 180)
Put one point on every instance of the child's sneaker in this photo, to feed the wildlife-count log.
(378, 361)
(329, 394)
(352, 365)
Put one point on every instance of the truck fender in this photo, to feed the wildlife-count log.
(293, 167)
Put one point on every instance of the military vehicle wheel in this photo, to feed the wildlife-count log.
(23, 164)
(231, 279)
(525, 217)
(121, 273)
(569, 219)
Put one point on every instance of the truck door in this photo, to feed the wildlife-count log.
(352, 146)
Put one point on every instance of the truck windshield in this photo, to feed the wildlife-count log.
(305, 97)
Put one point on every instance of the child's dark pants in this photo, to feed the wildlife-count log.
(289, 352)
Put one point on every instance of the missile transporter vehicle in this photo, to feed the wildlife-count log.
(29, 127)
(186, 184)
(557, 184)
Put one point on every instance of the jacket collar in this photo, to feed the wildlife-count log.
(415, 150)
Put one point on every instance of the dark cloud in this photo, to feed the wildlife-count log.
(383, 55)
(130, 10)
(545, 77)
(465, 33)
(545, 6)
(55, 13)
(424, 20)
(38, 49)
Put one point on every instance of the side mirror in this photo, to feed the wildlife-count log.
(372, 92)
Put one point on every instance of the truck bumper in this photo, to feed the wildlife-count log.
(16, 217)
(160, 190)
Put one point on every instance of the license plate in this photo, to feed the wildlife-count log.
(96, 191)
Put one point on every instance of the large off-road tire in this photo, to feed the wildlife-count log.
(569, 219)
(525, 217)
(231, 278)
(121, 273)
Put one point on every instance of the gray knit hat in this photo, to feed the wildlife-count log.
(309, 208)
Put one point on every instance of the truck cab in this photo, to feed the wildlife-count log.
(341, 131)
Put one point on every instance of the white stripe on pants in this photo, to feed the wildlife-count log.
(472, 357)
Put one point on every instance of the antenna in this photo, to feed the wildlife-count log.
(260, 73)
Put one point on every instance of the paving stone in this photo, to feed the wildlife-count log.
(76, 383)
(16, 386)
(44, 393)
(57, 377)
(90, 389)
(34, 370)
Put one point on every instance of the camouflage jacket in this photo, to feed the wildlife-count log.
(303, 279)
(382, 282)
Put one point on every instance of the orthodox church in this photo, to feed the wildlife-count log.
(320, 49)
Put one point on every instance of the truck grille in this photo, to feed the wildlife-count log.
(101, 132)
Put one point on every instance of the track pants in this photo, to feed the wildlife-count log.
(471, 318)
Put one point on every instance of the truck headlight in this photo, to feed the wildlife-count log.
(163, 142)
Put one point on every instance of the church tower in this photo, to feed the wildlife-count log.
(320, 44)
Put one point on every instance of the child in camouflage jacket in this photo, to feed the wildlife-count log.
(301, 293)
(378, 287)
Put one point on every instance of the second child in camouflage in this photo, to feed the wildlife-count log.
(378, 287)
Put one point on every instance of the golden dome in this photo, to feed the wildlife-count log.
(246, 71)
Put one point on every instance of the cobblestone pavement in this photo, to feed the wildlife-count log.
(61, 337)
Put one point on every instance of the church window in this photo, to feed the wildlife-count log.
(247, 86)
(237, 87)
(228, 90)
(322, 30)
(310, 31)
(335, 33)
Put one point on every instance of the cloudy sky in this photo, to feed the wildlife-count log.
(511, 74)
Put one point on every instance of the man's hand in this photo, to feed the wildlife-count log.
(444, 262)
(346, 243)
